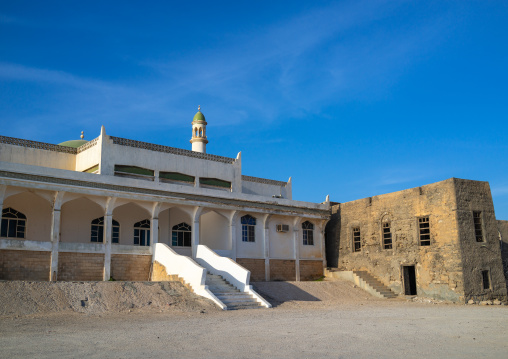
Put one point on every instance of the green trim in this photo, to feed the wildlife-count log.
(175, 176)
(92, 169)
(215, 182)
(134, 170)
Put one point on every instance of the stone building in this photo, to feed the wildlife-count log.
(92, 210)
(439, 241)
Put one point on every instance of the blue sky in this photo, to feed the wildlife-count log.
(350, 98)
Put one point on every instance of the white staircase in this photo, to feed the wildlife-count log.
(229, 295)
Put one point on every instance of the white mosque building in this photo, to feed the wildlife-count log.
(113, 207)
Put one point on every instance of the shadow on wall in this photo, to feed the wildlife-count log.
(279, 292)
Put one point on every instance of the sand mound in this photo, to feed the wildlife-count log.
(27, 298)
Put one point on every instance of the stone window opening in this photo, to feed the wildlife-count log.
(13, 224)
(248, 228)
(478, 226)
(181, 235)
(357, 241)
(142, 233)
(424, 231)
(200, 132)
(196, 132)
(308, 233)
(485, 279)
(97, 232)
(387, 235)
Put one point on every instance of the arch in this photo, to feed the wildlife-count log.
(181, 235)
(76, 217)
(308, 233)
(38, 211)
(13, 224)
(248, 228)
(200, 132)
(97, 231)
(214, 230)
(142, 233)
(128, 214)
(195, 132)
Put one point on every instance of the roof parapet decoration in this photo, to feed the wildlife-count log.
(264, 180)
(167, 149)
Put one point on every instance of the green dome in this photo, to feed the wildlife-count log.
(73, 143)
(199, 117)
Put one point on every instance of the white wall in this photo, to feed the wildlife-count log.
(76, 220)
(250, 249)
(37, 211)
(281, 243)
(214, 231)
(89, 157)
(264, 189)
(37, 157)
(310, 252)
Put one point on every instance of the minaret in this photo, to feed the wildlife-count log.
(198, 139)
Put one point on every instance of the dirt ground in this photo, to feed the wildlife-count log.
(309, 320)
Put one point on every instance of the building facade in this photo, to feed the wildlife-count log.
(439, 241)
(93, 210)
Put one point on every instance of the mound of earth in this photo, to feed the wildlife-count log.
(27, 298)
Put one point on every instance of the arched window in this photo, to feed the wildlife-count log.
(248, 228)
(200, 132)
(13, 224)
(142, 233)
(196, 132)
(308, 233)
(387, 234)
(181, 235)
(97, 233)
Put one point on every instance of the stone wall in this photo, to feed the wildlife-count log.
(502, 227)
(130, 267)
(24, 265)
(282, 269)
(255, 266)
(310, 270)
(438, 266)
(80, 266)
(332, 235)
(478, 256)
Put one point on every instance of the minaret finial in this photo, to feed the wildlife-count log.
(199, 107)
(82, 135)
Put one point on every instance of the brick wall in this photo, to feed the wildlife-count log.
(311, 270)
(24, 265)
(80, 266)
(130, 267)
(255, 266)
(282, 269)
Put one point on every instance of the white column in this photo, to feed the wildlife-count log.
(266, 245)
(296, 244)
(55, 234)
(108, 237)
(195, 230)
(154, 224)
(2, 194)
(232, 233)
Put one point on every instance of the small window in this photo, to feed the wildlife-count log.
(181, 235)
(97, 233)
(248, 228)
(142, 233)
(308, 233)
(486, 279)
(478, 226)
(357, 241)
(387, 236)
(13, 224)
(424, 231)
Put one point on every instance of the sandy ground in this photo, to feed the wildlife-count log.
(309, 320)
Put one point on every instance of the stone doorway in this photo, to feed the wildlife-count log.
(409, 279)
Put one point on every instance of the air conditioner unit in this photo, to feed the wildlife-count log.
(282, 228)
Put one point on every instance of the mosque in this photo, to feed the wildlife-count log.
(107, 208)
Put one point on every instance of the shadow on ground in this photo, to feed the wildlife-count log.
(279, 292)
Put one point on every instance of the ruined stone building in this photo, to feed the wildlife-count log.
(439, 241)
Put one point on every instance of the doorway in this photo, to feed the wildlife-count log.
(409, 279)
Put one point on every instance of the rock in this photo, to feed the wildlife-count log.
(486, 302)
(496, 302)
(470, 301)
